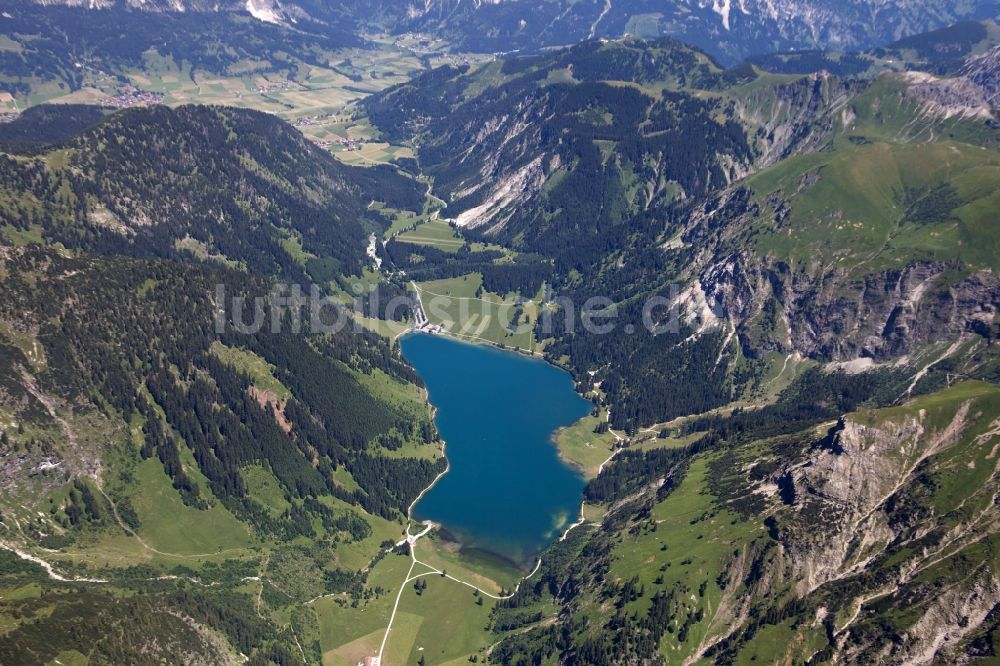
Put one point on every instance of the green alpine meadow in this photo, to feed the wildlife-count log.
(521, 332)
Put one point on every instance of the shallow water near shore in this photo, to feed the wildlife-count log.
(507, 491)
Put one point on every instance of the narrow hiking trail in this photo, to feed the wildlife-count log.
(58, 577)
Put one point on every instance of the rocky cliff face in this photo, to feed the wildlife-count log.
(984, 72)
(502, 165)
(845, 483)
(831, 314)
(148, 5)
(837, 303)
(269, 11)
(795, 117)
(879, 530)
(869, 484)
(731, 29)
(973, 94)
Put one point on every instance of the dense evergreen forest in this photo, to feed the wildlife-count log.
(121, 249)
(525, 274)
(140, 335)
(131, 188)
(41, 128)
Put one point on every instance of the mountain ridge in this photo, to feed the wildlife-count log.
(732, 30)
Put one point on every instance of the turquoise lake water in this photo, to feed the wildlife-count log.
(507, 491)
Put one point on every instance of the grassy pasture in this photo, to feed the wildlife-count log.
(582, 447)
(698, 539)
(454, 305)
(435, 233)
(261, 372)
(488, 572)
(348, 634)
(881, 205)
(441, 624)
(170, 526)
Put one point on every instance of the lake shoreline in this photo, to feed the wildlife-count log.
(569, 461)
(455, 530)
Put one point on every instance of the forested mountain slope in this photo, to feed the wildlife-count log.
(237, 186)
(154, 449)
(521, 148)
